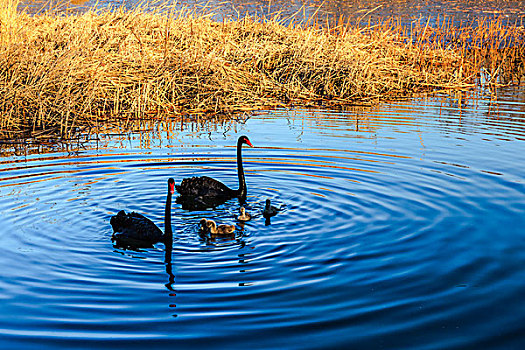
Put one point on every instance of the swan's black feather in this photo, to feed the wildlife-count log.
(196, 193)
(204, 186)
(135, 226)
(136, 230)
(199, 193)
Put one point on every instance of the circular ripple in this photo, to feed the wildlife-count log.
(392, 227)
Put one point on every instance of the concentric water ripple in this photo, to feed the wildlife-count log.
(400, 226)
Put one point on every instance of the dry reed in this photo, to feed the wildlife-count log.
(62, 73)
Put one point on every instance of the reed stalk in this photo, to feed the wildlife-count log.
(63, 73)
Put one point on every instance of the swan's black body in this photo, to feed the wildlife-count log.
(135, 226)
(137, 230)
(206, 192)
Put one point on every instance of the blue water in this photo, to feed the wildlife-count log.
(408, 12)
(402, 226)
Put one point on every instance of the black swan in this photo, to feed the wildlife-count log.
(206, 192)
(137, 230)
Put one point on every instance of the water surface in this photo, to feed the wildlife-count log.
(401, 227)
(406, 11)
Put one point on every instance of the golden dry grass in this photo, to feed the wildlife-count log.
(63, 73)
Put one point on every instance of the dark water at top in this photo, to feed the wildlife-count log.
(402, 227)
(407, 11)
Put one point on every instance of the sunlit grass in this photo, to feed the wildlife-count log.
(60, 73)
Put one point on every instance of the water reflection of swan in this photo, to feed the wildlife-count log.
(222, 229)
(206, 192)
(244, 215)
(168, 244)
(137, 230)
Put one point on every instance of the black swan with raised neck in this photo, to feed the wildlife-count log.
(137, 230)
(206, 192)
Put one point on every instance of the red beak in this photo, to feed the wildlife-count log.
(172, 188)
(249, 143)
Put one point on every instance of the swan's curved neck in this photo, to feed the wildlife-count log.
(241, 192)
(167, 216)
(168, 239)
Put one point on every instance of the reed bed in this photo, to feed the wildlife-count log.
(62, 74)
